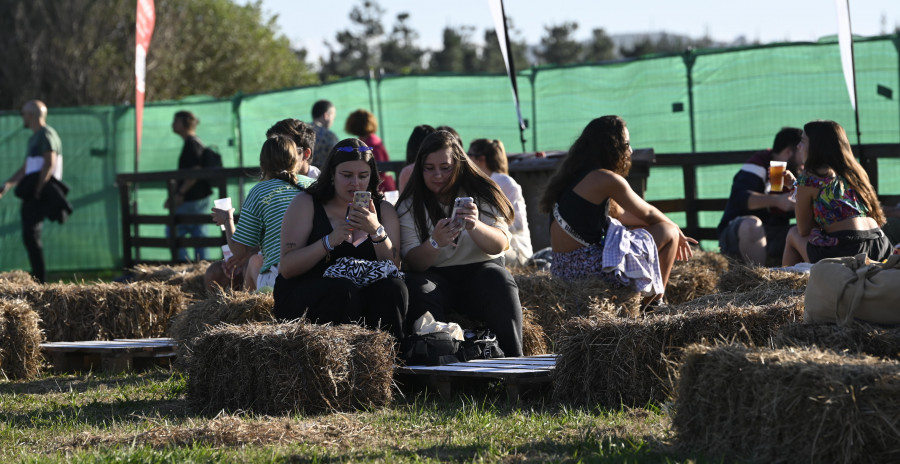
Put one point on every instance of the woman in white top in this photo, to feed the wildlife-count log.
(455, 264)
(490, 156)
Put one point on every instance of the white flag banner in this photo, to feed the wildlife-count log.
(845, 42)
(503, 38)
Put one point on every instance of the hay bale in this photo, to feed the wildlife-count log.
(742, 278)
(104, 311)
(534, 340)
(222, 306)
(290, 367)
(554, 301)
(188, 276)
(798, 405)
(696, 277)
(20, 340)
(614, 361)
(17, 278)
(855, 338)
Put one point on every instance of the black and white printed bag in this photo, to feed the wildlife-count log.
(362, 272)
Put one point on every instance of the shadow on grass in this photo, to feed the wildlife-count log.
(82, 382)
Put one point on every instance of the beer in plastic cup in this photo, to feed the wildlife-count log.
(223, 204)
(226, 252)
(776, 175)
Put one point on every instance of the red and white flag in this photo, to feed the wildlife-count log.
(146, 18)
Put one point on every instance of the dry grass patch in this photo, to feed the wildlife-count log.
(796, 405)
(614, 361)
(289, 367)
(18, 278)
(742, 278)
(20, 340)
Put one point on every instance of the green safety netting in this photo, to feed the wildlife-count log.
(705, 100)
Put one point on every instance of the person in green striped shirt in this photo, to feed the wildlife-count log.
(256, 239)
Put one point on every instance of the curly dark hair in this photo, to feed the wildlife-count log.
(601, 145)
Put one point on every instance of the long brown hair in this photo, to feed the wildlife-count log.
(278, 159)
(829, 148)
(323, 188)
(466, 177)
(601, 145)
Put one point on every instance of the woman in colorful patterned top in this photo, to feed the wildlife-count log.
(838, 213)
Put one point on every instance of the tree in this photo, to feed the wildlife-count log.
(666, 43)
(600, 48)
(81, 52)
(492, 59)
(459, 53)
(399, 53)
(359, 51)
(558, 46)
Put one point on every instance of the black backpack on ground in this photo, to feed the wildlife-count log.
(439, 348)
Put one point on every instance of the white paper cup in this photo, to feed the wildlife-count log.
(392, 196)
(226, 252)
(223, 204)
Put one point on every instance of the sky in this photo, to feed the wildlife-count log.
(308, 24)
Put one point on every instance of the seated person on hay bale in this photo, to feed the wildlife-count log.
(456, 264)
(838, 213)
(587, 198)
(755, 222)
(284, 170)
(324, 231)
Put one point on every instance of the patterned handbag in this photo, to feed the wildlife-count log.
(362, 272)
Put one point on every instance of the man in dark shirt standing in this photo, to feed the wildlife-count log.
(755, 222)
(191, 195)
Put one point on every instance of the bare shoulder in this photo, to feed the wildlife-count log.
(599, 184)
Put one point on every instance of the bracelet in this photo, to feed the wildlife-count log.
(381, 240)
(327, 243)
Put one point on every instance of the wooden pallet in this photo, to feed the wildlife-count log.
(517, 374)
(117, 355)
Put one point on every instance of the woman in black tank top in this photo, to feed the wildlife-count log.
(578, 200)
(322, 225)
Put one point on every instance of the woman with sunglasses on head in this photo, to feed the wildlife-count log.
(322, 225)
(454, 254)
(837, 209)
(592, 207)
(490, 156)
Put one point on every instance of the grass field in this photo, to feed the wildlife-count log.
(145, 417)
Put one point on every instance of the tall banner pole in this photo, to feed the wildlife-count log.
(146, 18)
(848, 64)
(499, 15)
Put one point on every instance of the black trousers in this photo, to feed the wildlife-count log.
(32, 228)
(485, 291)
(380, 305)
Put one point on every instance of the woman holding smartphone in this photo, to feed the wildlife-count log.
(454, 255)
(322, 225)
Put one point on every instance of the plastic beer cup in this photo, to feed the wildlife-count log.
(224, 204)
(776, 175)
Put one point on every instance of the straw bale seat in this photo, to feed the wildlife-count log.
(20, 340)
(787, 405)
(290, 367)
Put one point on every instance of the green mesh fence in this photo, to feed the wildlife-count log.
(708, 100)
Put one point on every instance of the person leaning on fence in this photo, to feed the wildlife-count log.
(321, 226)
(259, 229)
(490, 156)
(838, 213)
(363, 124)
(412, 147)
(457, 265)
(755, 222)
(191, 195)
(39, 184)
(323, 114)
(591, 207)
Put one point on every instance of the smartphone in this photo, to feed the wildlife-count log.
(361, 198)
(457, 204)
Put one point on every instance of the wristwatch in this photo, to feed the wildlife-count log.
(379, 232)
(434, 243)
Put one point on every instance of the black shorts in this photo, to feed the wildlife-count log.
(873, 242)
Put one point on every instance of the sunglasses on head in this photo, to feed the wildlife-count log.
(350, 149)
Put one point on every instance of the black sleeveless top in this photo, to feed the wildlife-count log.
(321, 227)
(587, 220)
